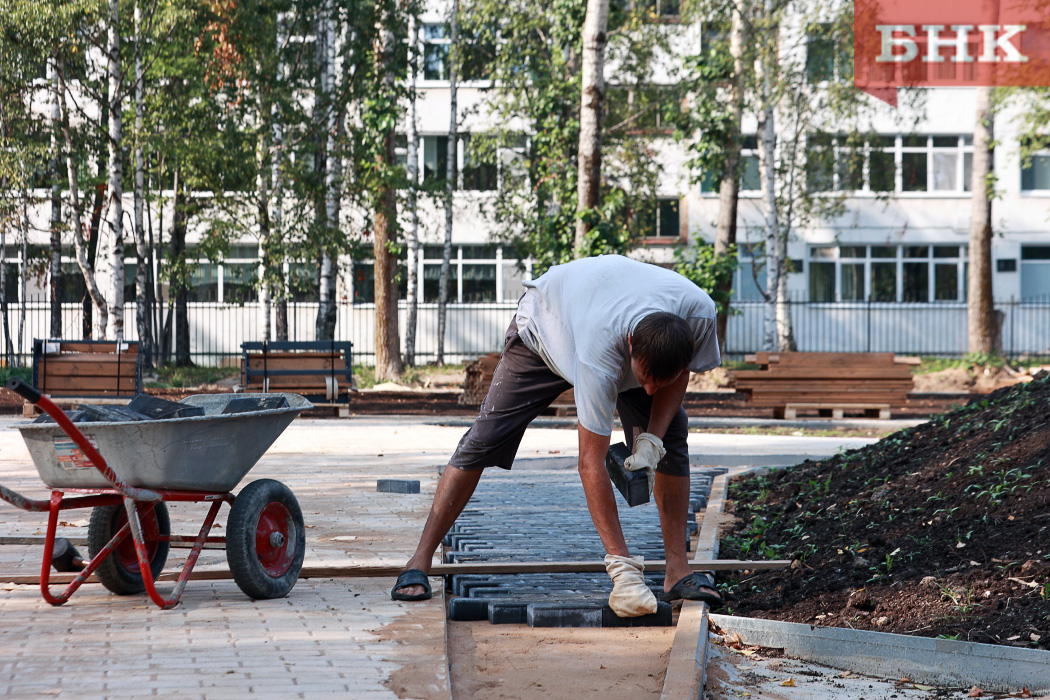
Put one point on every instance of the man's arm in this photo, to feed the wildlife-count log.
(598, 488)
(666, 402)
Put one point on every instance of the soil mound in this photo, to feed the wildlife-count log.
(938, 530)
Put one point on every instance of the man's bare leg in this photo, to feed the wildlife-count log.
(672, 500)
(454, 490)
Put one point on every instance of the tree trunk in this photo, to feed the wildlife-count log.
(262, 184)
(85, 258)
(592, 106)
(55, 286)
(980, 309)
(729, 189)
(115, 327)
(9, 347)
(412, 240)
(326, 311)
(450, 181)
(23, 271)
(142, 310)
(277, 194)
(387, 343)
(179, 284)
(766, 156)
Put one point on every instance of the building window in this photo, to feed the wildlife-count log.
(924, 163)
(750, 277)
(478, 175)
(435, 52)
(435, 157)
(1035, 272)
(477, 274)
(748, 169)
(635, 110)
(825, 57)
(1035, 173)
(910, 273)
(204, 281)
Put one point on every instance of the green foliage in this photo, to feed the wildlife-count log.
(710, 272)
(6, 373)
(536, 88)
(168, 376)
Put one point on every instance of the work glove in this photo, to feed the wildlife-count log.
(648, 451)
(630, 596)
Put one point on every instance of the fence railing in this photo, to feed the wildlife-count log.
(217, 330)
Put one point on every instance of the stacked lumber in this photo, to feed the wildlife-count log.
(827, 382)
(478, 379)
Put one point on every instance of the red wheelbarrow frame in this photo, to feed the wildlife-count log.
(121, 492)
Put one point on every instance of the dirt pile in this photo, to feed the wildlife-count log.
(938, 530)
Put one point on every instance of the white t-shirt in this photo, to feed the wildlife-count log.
(577, 318)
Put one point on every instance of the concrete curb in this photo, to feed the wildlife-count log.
(715, 422)
(687, 666)
(922, 659)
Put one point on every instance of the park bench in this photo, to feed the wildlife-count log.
(830, 383)
(72, 372)
(320, 370)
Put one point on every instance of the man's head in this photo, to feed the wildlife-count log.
(661, 348)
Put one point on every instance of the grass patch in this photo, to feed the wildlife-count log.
(180, 377)
(420, 375)
(6, 373)
(973, 361)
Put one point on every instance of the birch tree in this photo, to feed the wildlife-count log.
(115, 323)
(592, 92)
(412, 235)
(450, 179)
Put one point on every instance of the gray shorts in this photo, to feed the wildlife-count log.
(523, 386)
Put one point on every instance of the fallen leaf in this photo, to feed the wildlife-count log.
(920, 686)
(789, 683)
(904, 680)
(976, 692)
(748, 652)
(845, 674)
(959, 545)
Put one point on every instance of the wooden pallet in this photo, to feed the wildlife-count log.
(830, 383)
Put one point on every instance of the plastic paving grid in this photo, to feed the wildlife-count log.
(544, 517)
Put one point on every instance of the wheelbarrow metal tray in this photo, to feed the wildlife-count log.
(212, 452)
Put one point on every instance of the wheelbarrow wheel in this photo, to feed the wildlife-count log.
(265, 539)
(120, 571)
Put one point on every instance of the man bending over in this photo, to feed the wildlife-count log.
(624, 335)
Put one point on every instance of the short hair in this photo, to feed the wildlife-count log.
(663, 344)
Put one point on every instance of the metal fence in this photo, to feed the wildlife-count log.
(217, 330)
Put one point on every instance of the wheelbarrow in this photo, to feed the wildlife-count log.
(197, 459)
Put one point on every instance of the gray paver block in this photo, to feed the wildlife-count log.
(660, 618)
(563, 616)
(397, 486)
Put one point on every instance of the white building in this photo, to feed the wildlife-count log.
(897, 255)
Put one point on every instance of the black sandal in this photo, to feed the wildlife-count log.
(693, 587)
(411, 577)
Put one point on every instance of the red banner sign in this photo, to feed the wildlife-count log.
(949, 43)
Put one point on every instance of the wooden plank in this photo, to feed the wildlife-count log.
(392, 570)
(80, 357)
(89, 369)
(100, 385)
(96, 348)
(306, 362)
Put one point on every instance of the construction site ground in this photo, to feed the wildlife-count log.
(344, 635)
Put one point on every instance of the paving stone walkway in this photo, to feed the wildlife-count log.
(543, 516)
(329, 637)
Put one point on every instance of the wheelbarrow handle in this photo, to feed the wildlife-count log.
(24, 389)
